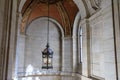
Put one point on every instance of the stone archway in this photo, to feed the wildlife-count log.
(26, 40)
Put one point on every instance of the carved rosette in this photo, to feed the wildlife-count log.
(96, 4)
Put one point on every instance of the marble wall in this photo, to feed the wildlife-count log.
(102, 43)
(34, 42)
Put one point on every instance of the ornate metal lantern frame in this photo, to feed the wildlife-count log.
(47, 56)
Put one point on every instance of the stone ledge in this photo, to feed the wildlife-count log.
(59, 73)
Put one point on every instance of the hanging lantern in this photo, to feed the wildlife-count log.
(47, 56)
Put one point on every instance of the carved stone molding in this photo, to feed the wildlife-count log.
(26, 16)
(96, 4)
(65, 18)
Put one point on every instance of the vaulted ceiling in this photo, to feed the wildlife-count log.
(63, 11)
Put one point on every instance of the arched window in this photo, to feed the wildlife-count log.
(80, 44)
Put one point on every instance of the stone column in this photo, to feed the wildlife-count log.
(85, 48)
(116, 24)
(67, 56)
(8, 38)
(62, 54)
(21, 53)
(75, 53)
(1, 33)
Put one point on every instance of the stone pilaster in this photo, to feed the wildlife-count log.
(67, 61)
